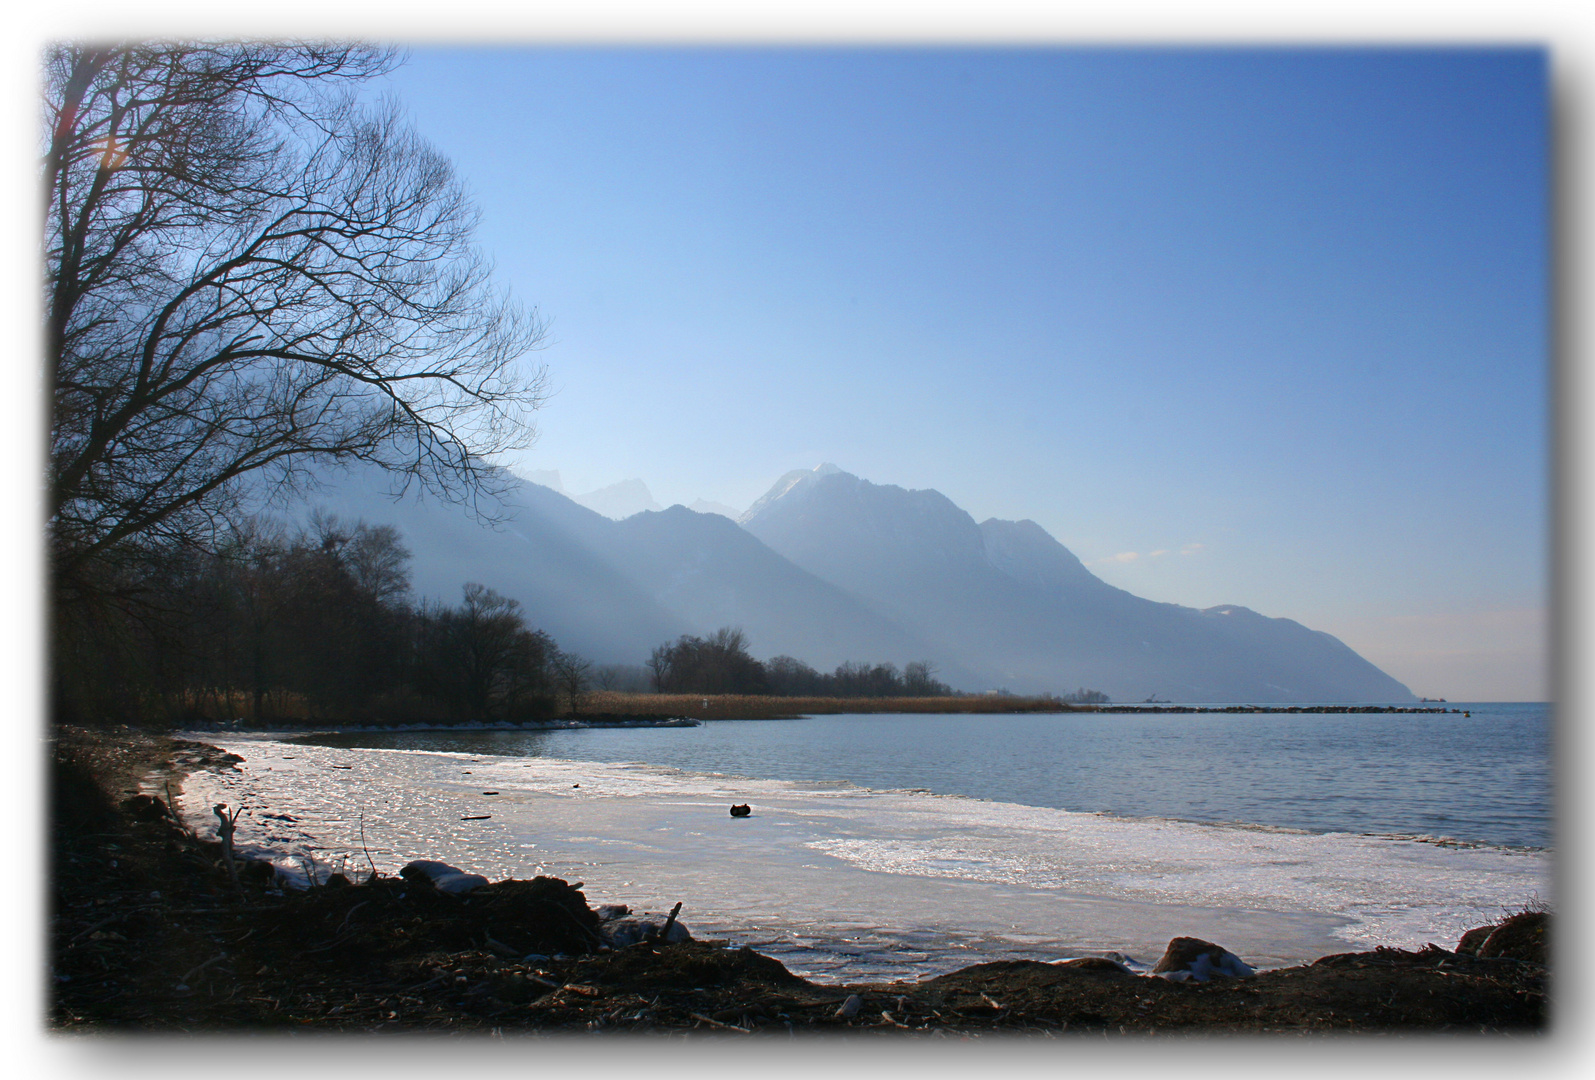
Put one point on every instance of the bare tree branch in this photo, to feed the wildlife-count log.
(247, 273)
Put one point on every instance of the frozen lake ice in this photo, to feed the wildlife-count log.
(845, 883)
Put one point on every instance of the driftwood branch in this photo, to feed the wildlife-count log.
(228, 820)
(367, 850)
(664, 933)
(712, 1022)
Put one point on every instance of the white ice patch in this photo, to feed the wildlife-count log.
(444, 878)
(1392, 892)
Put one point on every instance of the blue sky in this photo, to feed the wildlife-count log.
(1254, 327)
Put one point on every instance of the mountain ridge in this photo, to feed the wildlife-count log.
(828, 567)
(614, 590)
(1011, 599)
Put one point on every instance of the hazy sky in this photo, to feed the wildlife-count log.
(1265, 328)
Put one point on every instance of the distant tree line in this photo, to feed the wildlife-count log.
(793, 678)
(721, 664)
(316, 624)
(319, 624)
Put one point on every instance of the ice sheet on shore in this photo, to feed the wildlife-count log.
(840, 882)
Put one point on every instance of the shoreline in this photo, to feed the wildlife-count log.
(1266, 709)
(844, 882)
(321, 974)
(689, 710)
(750, 707)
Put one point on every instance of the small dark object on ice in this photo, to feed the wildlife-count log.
(741, 811)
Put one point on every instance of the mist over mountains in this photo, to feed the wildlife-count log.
(616, 501)
(828, 567)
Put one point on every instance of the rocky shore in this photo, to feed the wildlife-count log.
(152, 930)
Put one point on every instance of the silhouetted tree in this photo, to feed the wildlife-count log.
(659, 667)
(482, 658)
(245, 579)
(247, 272)
(718, 664)
(919, 680)
(341, 613)
(863, 680)
(573, 674)
(789, 677)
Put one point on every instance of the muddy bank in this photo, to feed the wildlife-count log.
(150, 931)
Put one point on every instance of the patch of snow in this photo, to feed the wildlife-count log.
(444, 878)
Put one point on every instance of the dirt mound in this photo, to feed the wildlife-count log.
(698, 964)
(1385, 990)
(1524, 936)
(386, 919)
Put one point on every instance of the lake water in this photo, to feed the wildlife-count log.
(893, 846)
(1485, 778)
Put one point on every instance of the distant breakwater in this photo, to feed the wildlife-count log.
(1185, 709)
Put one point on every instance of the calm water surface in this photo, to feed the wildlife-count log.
(1480, 779)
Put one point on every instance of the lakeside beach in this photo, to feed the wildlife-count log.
(839, 881)
(389, 954)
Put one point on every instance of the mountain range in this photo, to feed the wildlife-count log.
(828, 567)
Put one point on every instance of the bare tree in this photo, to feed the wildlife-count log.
(718, 664)
(572, 674)
(375, 557)
(919, 680)
(247, 272)
(483, 657)
(659, 666)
